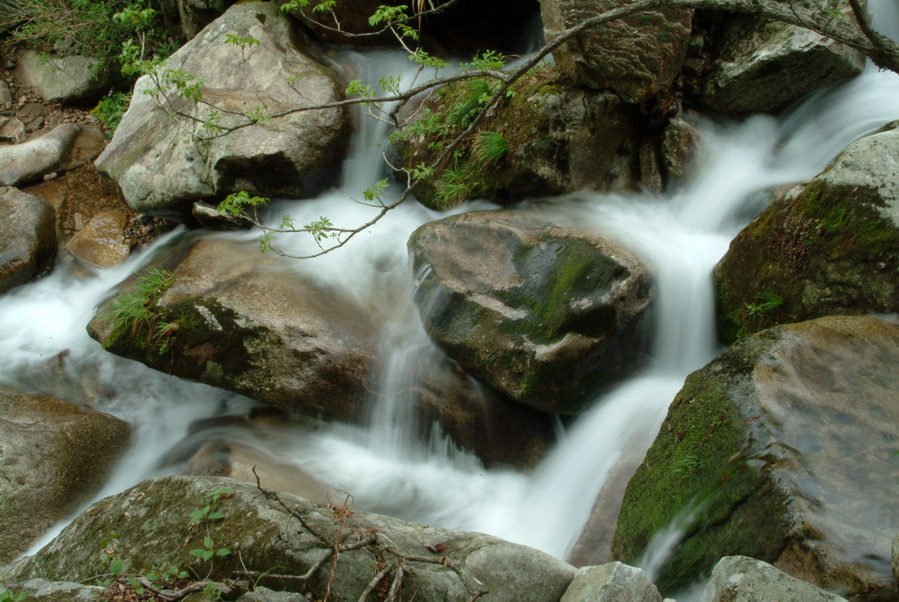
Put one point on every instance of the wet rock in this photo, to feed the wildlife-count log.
(27, 237)
(164, 164)
(680, 141)
(235, 319)
(611, 582)
(263, 533)
(101, 241)
(52, 456)
(765, 66)
(830, 246)
(742, 579)
(636, 56)
(69, 79)
(760, 455)
(26, 162)
(546, 314)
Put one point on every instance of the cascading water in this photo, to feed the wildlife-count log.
(386, 466)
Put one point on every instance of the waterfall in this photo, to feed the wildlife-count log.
(385, 465)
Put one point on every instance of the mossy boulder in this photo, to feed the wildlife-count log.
(546, 314)
(830, 246)
(273, 541)
(636, 56)
(53, 455)
(231, 318)
(781, 449)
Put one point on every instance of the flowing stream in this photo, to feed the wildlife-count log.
(386, 466)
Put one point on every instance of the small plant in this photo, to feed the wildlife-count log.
(208, 551)
(111, 109)
(208, 512)
(7, 595)
(133, 311)
(489, 148)
(766, 302)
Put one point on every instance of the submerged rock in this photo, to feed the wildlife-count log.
(294, 535)
(52, 456)
(164, 163)
(782, 449)
(27, 237)
(546, 314)
(830, 246)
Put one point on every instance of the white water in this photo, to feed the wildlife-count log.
(386, 467)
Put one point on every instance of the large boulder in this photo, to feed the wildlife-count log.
(830, 246)
(636, 56)
(760, 65)
(25, 162)
(611, 582)
(71, 79)
(742, 579)
(781, 449)
(234, 319)
(27, 237)
(52, 456)
(275, 541)
(164, 163)
(546, 314)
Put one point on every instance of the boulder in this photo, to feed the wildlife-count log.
(74, 79)
(829, 246)
(560, 138)
(27, 237)
(8, 18)
(42, 590)
(232, 318)
(274, 540)
(611, 582)
(101, 241)
(52, 456)
(546, 314)
(636, 56)
(164, 163)
(22, 163)
(742, 579)
(782, 449)
(761, 65)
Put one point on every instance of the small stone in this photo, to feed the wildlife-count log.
(79, 221)
(50, 176)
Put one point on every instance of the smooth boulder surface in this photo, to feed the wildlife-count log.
(27, 237)
(25, 162)
(829, 246)
(101, 241)
(546, 314)
(636, 56)
(294, 535)
(783, 449)
(611, 582)
(244, 322)
(742, 579)
(52, 456)
(70, 79)
(164, 163)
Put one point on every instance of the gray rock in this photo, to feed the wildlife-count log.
(52, 455)
(70, 79)
(636, 56)
(762, 449)
(829, 246)
(27, 237)
(765, 66)
(611, 582)
(101, 241)
(12, 130)
(163, 164)
(546, 314)
(742, 579)
(896, 565)
(290, 536)
(22, 163)
(241, 321)
(5, 93)
(60, 591)
(264, 594)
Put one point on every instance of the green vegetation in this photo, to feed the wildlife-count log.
(133, 313)
(7, 595)
(111, 109)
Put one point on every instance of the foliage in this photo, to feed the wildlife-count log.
(133, 312)
(111, 108)
(7, 595)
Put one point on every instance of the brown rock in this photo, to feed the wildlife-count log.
(100, 242)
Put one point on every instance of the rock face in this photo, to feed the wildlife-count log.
(164, 164)
(52, 455)
(25, 162)
(764, 66)
(197, 14)
(636, 56)
(242, 322)
(611, 582)
(742, 579)
(830, 246)
(294, 536)
(71, 79)
(545, 314)
(782, 449)
(100, 242)
(27, 237)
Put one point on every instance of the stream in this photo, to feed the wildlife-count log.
(386, 466)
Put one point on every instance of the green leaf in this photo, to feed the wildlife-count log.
(215, 516)
(207, 541)
(116, 566)
(223, 552)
